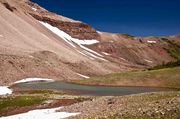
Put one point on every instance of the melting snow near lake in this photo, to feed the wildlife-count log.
(4, 90)
(33, 80)
(42, 114)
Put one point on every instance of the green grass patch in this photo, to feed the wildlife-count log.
(44, 92)
(167, 65)
(168, 77)
(19, 101)
(173, 49)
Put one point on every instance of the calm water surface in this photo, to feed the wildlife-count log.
(88, 90)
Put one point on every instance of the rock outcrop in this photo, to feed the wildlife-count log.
(76, 29)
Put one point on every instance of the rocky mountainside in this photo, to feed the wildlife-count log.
(37, 43)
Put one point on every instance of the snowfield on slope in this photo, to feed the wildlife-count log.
(33, 80)
(68, 39)
(66, 36)
(42, 114)
(105, 53)
(4, 90)
(152, 42)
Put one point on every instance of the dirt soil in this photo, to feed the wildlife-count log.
(47, 104)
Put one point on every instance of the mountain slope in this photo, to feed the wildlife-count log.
(27, 48)
(37, 43)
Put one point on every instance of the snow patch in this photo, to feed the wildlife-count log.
(105, 53)
(33, 80)
(85, 55)
(4, 90)
(152, 42)
(148, 61)
(122, 58)
(83, 76)
(34, 9)
(89, 50)
(94, 56)
(42, 114)
(89, 42)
